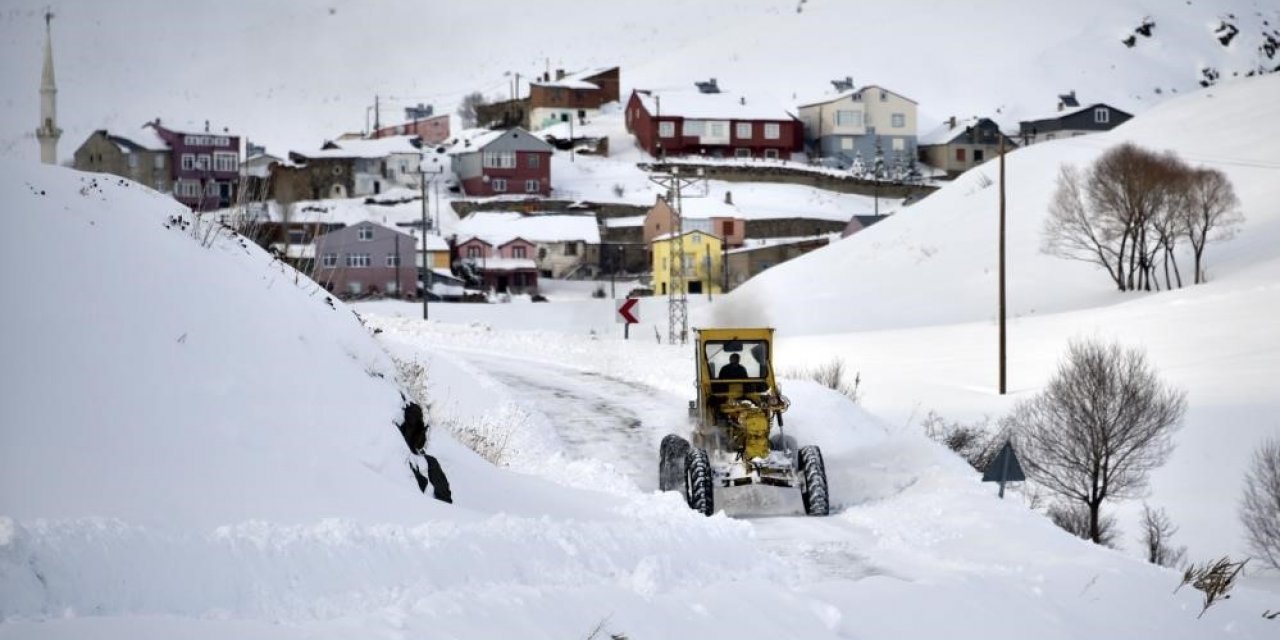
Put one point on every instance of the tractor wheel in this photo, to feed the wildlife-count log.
(813, 488)
(698, 482)
(671, 457)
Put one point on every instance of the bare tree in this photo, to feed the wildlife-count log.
(1157, 531)
(469, 107)
(1260, 508)
(1119, 214)
(1210, 211)
(1099, 427)
(1074, 518)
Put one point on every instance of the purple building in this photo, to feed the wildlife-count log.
(204, 165)
(367, 259)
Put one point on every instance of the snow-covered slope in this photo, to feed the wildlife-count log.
(290, 75)
(936, 262)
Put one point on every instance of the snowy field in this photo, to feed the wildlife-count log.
(210, 451)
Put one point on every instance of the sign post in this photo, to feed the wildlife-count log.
(628, 314)
(1004, 468)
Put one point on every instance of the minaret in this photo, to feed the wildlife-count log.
(48, 133)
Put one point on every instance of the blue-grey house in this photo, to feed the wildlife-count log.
(1070, 122)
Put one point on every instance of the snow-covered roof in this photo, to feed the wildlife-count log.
(576, 80)
(945, 133)
(498, 228)
(712, 206)
(624, 221)
(145, 138)
(755, 244)
(504, 264)
(711, 106)
(832, 97)
(471, 140)
(374, 148)
(668, 236)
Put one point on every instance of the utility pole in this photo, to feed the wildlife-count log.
(376, 122)
(677, 288)
(1001, 270)
(426, 263)
(710, 281)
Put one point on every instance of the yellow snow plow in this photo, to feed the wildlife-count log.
(738, 436)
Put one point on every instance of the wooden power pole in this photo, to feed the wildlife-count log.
(1003, 378)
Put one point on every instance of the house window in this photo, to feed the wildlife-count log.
(355, 288)
(1101, 115)
(771, 154)
(532, 186)
(392, 287)
(899, 144)
(742, 153)
(223, 161)
(977, 155)
(159, 162)
(499, 159)
(772, 131)
(189, 188)
(847, 117)
(365, 234)
(726, 228)
(393, 260)
(898, 120)
(329, 260)
(499, 185)
(202, 162)
(694, 128)
(188, 161)
(473, 251)
(358, 260)
(744, 129)
(211, 189)
(696, 238)
(535, 161)
(518, 252)
(133, 161)
(960, 154)
(846, 143)
(666, 129)
(884, 96)
(571, 248)
(717, 129)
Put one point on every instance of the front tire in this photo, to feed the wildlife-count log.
(671, 458)
(698, 482)
(813, 474)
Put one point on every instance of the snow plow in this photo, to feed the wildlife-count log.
(738, 436)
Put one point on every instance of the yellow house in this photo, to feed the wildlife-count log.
(703, 262)
(437, 252)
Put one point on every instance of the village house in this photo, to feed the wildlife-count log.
(564, 245)
(703, 262)
(717, 125)
(349, 169)
(575, 97)
(858, 124)
(704, 214)
(505, 268)
(200, 168)
(956, 146)
(420, 122)
(366, 259)
(1072, 120)
(494, 163)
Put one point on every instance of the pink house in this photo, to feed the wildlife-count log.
(507, 268)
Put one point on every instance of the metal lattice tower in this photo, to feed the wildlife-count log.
(677, 288)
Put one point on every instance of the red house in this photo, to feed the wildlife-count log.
(712, 124)
(494, 163)
(509, 268)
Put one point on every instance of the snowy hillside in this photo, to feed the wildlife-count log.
(917, 313)
(299, 73)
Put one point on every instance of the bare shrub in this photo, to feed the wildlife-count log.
(977, 443)
(1214, 579)
(1076, 519)
(490, 434)
(468, 108)
(834, 375)
(1157, 531)
(1100, 426)
(1260, 506)
(1209, 212)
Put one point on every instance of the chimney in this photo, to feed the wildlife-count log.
(742, 100)
(206, 126)
(728, 197)
(559, 74)
(952, 122)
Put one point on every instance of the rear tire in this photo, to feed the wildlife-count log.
(671, 457)
(813, 476)
(698, 482)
